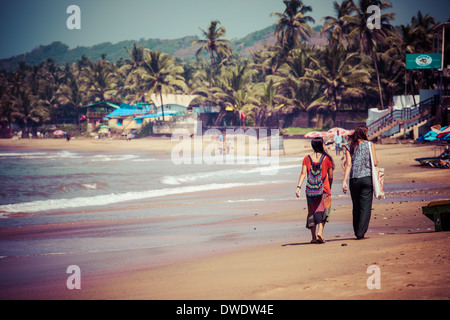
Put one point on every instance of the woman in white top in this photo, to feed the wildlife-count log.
(359, 169)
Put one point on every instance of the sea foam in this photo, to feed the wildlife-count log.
(101, 200)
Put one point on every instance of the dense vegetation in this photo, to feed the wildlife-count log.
(357, 69)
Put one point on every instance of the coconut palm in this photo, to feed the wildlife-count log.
(71, 95)
(99, 81)
(294, 80)
(422, 25)
(292, 27)
(217, 48)
(269, 101)
(160, 75)
(337, 27)
(27, 108)
(340, 75)
(129, 68)
(49, 76)
(367, 38)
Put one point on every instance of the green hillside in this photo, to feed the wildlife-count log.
(179, 48)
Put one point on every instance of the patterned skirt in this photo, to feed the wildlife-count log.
(318, 210)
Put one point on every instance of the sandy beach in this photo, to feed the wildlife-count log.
(412, 258)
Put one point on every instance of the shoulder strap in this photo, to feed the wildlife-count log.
(322, 158)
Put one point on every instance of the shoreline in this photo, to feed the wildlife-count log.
(413, 260)
(412, 257)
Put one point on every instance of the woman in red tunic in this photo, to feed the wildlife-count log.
(318, 206)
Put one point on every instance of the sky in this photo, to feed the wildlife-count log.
(27, 24)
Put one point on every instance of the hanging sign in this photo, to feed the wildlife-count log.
(423, 61)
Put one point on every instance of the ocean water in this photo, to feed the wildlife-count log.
(47, 181)
(175, 205)
(179, 201)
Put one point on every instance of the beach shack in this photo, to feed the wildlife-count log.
(96, 113)
(125, 118)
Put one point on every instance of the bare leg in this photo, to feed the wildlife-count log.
(320, 231)
(313, 234)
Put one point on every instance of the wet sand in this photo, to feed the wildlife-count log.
(412, 258)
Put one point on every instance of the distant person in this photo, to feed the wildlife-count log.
(445, 155)
(338, 142)
(358, 168)
(317, 168)
(68, 137)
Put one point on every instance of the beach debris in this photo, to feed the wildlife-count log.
(343, 245)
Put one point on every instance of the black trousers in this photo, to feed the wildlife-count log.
(361, 190)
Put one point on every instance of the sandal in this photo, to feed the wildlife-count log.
(320, 239)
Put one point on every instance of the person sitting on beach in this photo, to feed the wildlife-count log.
(318, 206)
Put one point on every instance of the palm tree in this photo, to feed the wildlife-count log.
(50, 77)
(71, 95)
(369, 39)
(422, 25)
(270, 101)
(27, 108)
(6, 99)
(292, 25)
(340, 75)
(337, 27)
(160, 75)
(99, 81)
(129, 68)
(294, 80)
(412, 38)
(217, 48)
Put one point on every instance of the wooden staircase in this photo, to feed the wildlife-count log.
(420, 115)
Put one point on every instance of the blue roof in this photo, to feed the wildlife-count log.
(128, 110)
(155, 115)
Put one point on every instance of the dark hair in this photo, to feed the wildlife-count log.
(317, 145)
(360, 133)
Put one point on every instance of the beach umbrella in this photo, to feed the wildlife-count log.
(315, 134)
(103, 130)
(312, 134)
(58, 133)
(335, 130)
(343, 132)
(346, 132)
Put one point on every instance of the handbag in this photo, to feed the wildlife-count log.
(377, 178)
